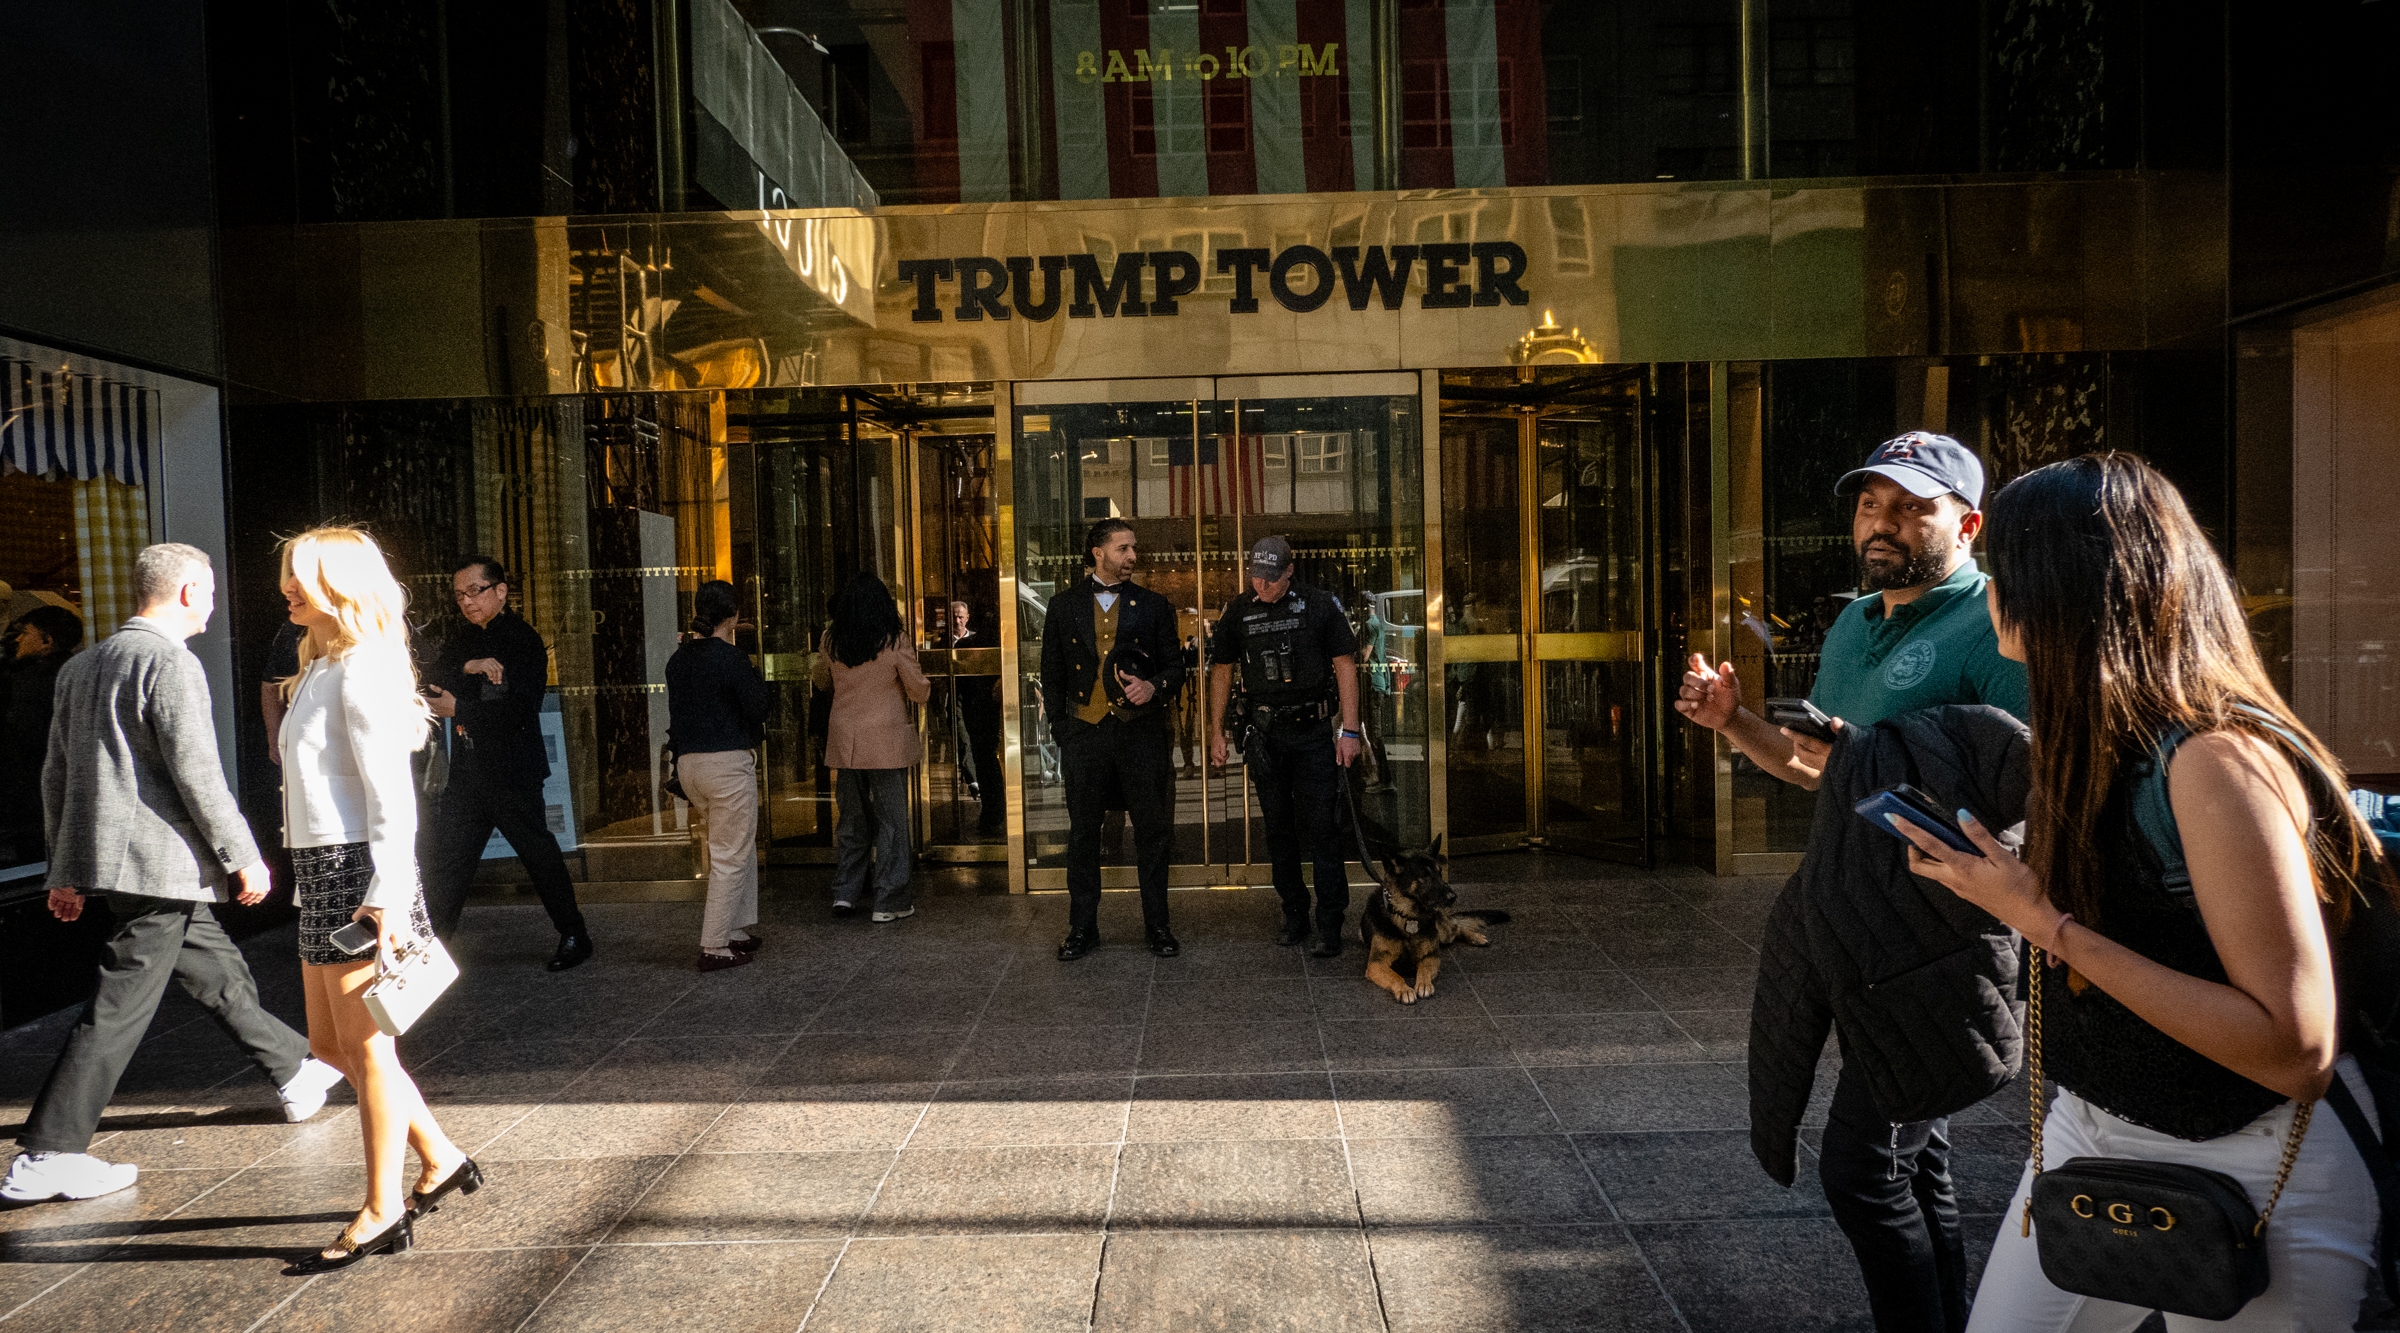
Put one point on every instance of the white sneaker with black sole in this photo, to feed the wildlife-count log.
(36, 1176)
(881, 917)
(304, 1096)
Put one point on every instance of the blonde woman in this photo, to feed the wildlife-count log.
(352, 720)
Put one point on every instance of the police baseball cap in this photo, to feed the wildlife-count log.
(1925, 464)
(1270, 559)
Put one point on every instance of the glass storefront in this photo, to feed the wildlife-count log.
(77, 448)
(1526, 555)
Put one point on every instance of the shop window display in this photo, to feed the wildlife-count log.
(75, 458)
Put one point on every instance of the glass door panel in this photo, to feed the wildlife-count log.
(1483, 588)
(1545, 567)
(1339, 473)
(958, 608)
(1117, 451)
(1332, 463)
(810, 485)
(1590, 503)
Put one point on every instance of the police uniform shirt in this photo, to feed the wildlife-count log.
(1285, 647)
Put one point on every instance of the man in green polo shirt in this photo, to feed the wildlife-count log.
(1920, 638)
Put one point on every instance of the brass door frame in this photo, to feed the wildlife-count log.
(1531, 646)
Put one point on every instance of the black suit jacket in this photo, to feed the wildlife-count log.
(1071, 660)
(506, 728)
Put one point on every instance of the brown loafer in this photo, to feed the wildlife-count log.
(749, 945)
(710, 962)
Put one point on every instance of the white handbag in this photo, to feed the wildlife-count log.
(406, 986)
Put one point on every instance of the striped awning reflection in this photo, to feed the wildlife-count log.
(57, 422)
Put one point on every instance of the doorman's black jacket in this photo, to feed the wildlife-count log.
(1070, 662)
(1920, 984)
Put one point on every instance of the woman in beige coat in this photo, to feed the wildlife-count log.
(870, 664)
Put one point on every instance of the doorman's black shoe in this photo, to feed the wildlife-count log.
(1162, 942)
(1295, 931)
(1328, 945)
(1077, 944)
(573, 951)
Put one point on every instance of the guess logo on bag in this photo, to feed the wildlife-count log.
(2123, 1214)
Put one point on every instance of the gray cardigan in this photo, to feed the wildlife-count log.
(133, 793)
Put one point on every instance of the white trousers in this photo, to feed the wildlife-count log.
(2320, 1243)
(723, 788)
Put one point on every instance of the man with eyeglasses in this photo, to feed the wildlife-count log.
(487, 683)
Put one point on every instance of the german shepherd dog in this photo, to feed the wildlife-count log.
(1409, 921)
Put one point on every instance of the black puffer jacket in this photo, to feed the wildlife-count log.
(1920, 984)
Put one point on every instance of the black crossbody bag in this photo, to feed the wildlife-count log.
(2152, 1235)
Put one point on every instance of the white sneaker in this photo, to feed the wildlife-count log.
(36, 1176)
(304, 1096)
(881, 917)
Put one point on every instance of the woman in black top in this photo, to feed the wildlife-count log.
(716, 716)
(2181, 1027)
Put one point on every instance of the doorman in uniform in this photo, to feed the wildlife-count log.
(1299, 664)
(1110, 667)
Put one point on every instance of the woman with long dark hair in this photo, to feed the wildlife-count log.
(869, 663)
(716, 716)
(2195, 1026)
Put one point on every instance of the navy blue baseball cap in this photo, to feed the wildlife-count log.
(1925, 464)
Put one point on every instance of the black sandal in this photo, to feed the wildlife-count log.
(466, 1176)
(345, 1251)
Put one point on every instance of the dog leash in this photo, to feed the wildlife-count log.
(1366, 856)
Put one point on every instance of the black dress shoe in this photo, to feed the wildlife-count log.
(1162, 942)
(466, 1177)
(1077, 944)
(1328, 945)
(1295, 931)
(344, 1251)
(573, 951)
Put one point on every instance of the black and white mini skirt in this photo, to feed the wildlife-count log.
(329, 884)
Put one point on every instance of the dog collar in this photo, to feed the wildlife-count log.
(1407, 923)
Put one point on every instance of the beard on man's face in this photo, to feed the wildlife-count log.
(1886, 564)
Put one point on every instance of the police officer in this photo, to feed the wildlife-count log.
(1299, 664)
(1110, 669)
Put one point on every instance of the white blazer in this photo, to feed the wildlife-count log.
(346, 775)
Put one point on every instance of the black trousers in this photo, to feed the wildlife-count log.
(472, 806)
(1891, 1192)
(1299, 793)
(1115, 766)
(981, 714)
(156, 938)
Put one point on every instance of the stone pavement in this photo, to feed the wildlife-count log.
(935, 1124)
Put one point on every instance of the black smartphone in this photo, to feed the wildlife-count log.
(1801, 716)
(1917, 808)
(354, 939)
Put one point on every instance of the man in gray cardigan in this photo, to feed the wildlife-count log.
(135, 801)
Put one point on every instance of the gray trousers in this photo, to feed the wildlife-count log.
(874, 815)
(156, 938)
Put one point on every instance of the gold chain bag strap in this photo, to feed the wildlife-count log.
(2152, 1235)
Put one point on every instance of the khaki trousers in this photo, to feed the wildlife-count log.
(723, 788)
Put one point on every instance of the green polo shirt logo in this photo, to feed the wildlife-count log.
(1913, 663)
(1938, 649)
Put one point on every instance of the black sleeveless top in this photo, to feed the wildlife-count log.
(2106, 1054)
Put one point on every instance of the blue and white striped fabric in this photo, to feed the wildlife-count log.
(57, 422)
